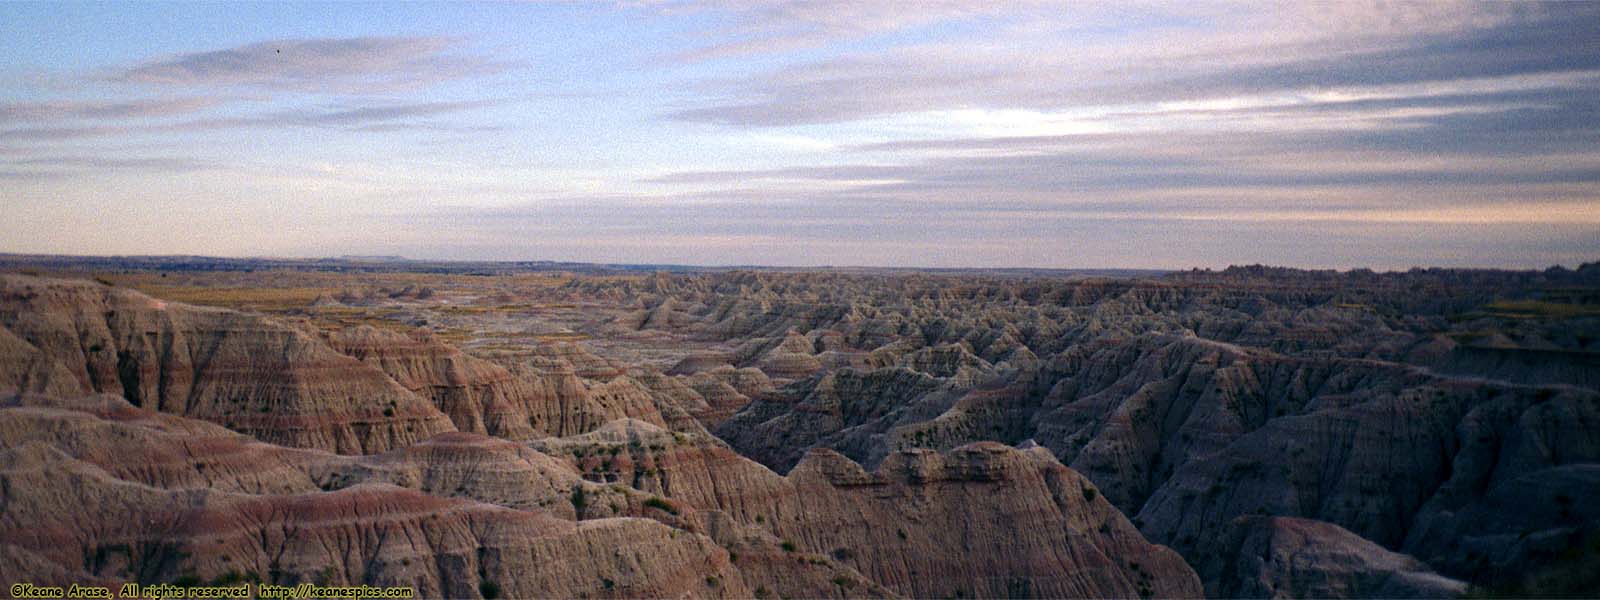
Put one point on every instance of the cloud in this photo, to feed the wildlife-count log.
(130, 109)
(363, 64)
(1438, 163)
(377, 117)
(845, 231)
(961, 133)
(100, 162)
(1232, 55)
(381, 113)
(50, 168)
(788, 25)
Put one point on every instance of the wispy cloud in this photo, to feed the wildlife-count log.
(1054, 69)
(767, 27)
(364, 64)
(101, 162)
(148, 107)
(50, 168)
(379, 117)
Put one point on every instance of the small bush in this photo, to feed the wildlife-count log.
(489, 589)
(787, 546)
(658, 503)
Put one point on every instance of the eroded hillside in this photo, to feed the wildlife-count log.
(807, 434)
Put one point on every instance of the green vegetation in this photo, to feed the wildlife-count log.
(657, 503)
(489, 589)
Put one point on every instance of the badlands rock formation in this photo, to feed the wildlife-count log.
(1252, 432)
(249, 373)
(1284, 557)
(448, 514)
(1400, 408)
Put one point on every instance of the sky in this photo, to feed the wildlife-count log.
(932, 133)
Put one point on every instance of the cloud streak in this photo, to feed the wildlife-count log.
(131, 109)
(382, 117)
(1039, 72)
(363, 64)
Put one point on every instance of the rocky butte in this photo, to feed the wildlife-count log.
(541, 431)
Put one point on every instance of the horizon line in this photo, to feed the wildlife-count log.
(400, 259)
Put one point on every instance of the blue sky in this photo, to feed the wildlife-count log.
(937, 133)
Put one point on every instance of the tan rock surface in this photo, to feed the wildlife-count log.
(245, 371)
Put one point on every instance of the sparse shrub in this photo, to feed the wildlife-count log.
(657, 503)
(787, 546)
(489, 589)
(579, 499)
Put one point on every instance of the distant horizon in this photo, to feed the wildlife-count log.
(732, 266)
(940, 134)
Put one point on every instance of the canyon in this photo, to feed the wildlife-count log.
(555, 430)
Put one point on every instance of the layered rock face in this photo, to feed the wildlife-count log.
(1396, 407)
(248, 372)
(1286, 433)
(630, 506)
(911, 526)
(1283, 557)
(461, 512)
(374, 534)
(534, 397)
(982, 520)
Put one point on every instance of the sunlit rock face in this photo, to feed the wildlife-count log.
(247, 372)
